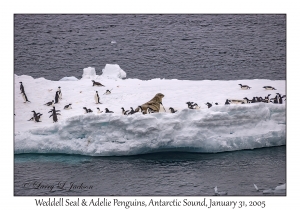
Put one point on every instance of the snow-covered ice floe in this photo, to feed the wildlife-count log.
(217, 129)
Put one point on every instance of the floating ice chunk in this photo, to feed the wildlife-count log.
(72, 78)
(219, 193)
(113, 71)
(256, 187)
(89, 73)
(281, 189)
(113, 42)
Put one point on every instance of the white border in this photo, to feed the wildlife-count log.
(9, 8)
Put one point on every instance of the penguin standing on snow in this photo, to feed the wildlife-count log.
(244, 87)
(54, 114)
(124, 112)
(227, 102)
(131, 111)
(69, 106)
(36, 117)
(56, 97)
(172, 110)
(25, 97)
(208, 105)
(22, 88)
(97, 98)
(59, 93)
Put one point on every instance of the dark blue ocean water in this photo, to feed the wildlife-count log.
(185, 46)
(190, 47)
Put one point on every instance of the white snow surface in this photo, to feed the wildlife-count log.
(72, 78)
(218, 129)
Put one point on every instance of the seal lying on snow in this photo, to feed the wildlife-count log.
(154, 103)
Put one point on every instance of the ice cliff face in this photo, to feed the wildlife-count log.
(218, 129)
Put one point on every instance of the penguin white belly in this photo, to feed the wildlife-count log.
(96, 98)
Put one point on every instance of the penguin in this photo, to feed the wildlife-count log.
(150, 111)
(99, 110)
(87, 110)
(244, 87)
(51, 110)
(161, 105)
(22, 88)
(124, 112)
(54, 114)
(107, 111)
(172, 110)
(247, 101)
(216, 103)
(131, 111)
(25, 97)
(97, 83)
(69, 106)
(267, 99)
(97, 98)
(140, 109)
(253, 100)
(59, 93)
(192, 105)
(269, 88)
(107, 92)
(37, 117)
(227, 102)
(208, 105)
(51, 103)
(56, 97)
(279, 98)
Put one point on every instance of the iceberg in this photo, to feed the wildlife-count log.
(207, 130)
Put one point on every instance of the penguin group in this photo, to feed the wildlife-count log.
(278, 99)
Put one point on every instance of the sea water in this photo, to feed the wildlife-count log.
(191, 47)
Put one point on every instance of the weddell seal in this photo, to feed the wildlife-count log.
(154, 104)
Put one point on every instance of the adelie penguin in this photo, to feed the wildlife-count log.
(59, 93)
(51, 103)
(227, 102)
(97, 83)
(269, 88)
(192, 105)
(150, 111)
(97, 98)
(87, 110)
(69, 106)
(36, 116)
(208, 105)
(22, 88)
(172, 110)
(107, 92)
(99, 110)
(25, 97)
(54, 114)
(131, 111)
(107, 111)
(244, 87)
(56, 97)
(124, 112)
